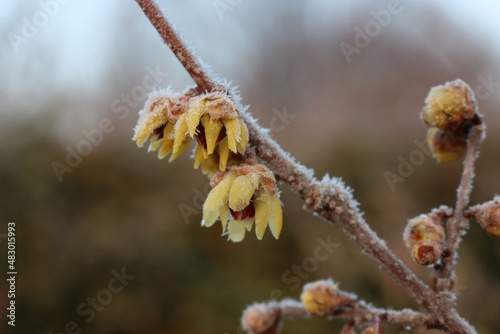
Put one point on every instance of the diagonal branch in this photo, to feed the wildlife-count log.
(329, 198)
(191, 63)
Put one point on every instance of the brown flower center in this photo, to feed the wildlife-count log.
(247, 212)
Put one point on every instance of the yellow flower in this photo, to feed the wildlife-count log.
(157, 122)
(214, 121)
(248, 195)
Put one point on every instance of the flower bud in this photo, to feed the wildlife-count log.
(261, 319)
(446, 145)
(321, 298)
(427, 252)
(449, 106)
(423, 227)
(488, 215)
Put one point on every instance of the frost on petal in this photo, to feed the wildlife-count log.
(223, 213)
(196, 110)
(236, 230)
(262, 212)
(209, 218)
(212, 130)
(221, 107)
(180, 133)
(147, 123)
(276, 217)
(242, 191)
(233, 133)
(219, 194)
(242, 145)
(223, 154)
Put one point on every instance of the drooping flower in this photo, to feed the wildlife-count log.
(157, 123)
(247, 194)
(214, 121)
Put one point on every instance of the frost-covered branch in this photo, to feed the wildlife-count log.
(260, 317)
(457, 224)
(329, 198)
(173, 40)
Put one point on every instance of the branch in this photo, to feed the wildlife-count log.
(329, 198)
(266, 314)
(191, 63)
(457, 224)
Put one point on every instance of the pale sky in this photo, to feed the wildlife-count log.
(76, 36)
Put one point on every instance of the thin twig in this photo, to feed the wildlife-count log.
(359, 314)
(457, 224)
(329, 199)
(191, 63)
(334, 204)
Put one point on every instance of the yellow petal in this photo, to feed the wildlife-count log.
(196, 110)
(181, 131)
(262, 213)
(233, 132)
(223, 154)
(236, 230)
(209, 218)
(242, 145)
(210, 166)
(199, 156)
(249, 223)
(276, 216)
(217, 197)
(153, 146)
(181, 149)
(212, 129)
(168, 141)
(223, 213)
(141, 139)
(242, 190)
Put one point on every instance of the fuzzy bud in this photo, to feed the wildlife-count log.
(427, 252)
(488, 215)
(449, 106)
(261, 319)
(423, 227)
(321, 298)
(446, 145)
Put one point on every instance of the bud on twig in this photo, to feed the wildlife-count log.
(488, 215)
(323, 298)
(261, 319)
(449, 106)
(424, 236)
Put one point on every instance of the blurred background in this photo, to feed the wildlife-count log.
(74, 75)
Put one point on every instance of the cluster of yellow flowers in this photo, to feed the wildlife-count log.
(244, 192)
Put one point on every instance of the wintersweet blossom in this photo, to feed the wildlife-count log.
(214, 121)
(157, 122)
(245, 194)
